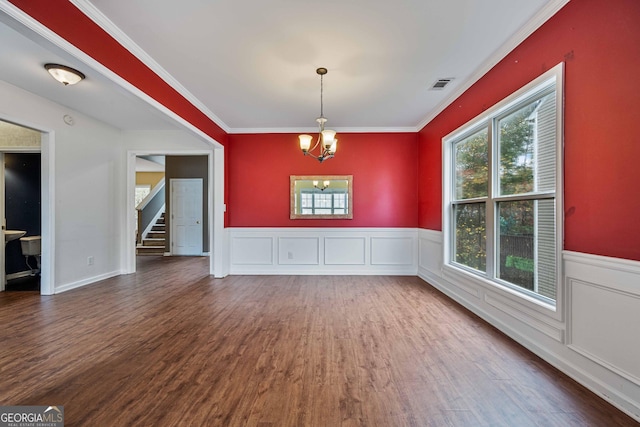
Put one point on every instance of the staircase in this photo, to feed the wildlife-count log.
(154, 242)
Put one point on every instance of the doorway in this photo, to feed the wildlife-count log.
(22, 216)
(213, 204)
(25, 197)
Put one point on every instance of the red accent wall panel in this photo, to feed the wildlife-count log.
(599, 41)
(63, 18)
(383, 168)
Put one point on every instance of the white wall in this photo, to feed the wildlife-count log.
(592, 337)
(163, 141)
(89, 176)
(86, 175)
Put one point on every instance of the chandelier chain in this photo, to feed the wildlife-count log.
(321, 92)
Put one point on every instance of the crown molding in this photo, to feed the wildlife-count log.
(19, 16)
(315, 130)
(114, 31)
(86, 7)
(525, 31)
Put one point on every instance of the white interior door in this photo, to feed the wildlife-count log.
(186, 216)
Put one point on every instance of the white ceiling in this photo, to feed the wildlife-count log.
(250, 65)
(23, 54)
(149, 164)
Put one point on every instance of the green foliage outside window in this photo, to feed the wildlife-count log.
(503, 199)
(472, 166)
(471, 236)
(517, 143)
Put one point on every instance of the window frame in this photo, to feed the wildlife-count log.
(489, 120)
(315, 192)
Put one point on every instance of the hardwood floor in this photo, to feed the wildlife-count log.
(171, 346)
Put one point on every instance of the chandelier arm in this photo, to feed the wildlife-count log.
(308, 153)
(316, 144)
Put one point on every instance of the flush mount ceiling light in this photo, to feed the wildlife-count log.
(326, 141)
(63, 74)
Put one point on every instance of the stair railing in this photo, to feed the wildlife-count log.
(150, 209)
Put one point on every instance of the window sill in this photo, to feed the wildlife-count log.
(529, 303)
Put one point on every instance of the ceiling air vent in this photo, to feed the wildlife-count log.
(440, 84)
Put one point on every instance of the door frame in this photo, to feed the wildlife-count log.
(47, 198)
(215, 205)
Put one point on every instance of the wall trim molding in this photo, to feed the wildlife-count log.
(298, 130)
(620, 264)
(320, 250)
(603, 311)
(87, 281)
(522, 314)
(619, 272)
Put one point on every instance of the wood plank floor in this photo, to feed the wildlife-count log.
(171, 346)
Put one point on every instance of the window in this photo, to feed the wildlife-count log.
(323, 202)
(501, 192)
(142, 191)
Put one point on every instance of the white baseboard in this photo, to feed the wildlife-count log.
(84, 282)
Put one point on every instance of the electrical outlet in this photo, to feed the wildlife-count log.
(290, 255)
(90, 260)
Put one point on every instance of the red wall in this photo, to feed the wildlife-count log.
(383, 168)
(599, 40)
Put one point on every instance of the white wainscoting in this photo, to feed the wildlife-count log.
(604, 311)
(593, 339)
(378, 251)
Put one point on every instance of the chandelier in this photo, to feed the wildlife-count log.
(325, 185)
(326, 141)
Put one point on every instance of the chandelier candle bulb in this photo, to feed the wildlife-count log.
(305, 142)
(328, 136)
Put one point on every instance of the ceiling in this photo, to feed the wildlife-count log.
(23, 54)
(250, 65)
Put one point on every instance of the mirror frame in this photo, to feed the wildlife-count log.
(292, 194)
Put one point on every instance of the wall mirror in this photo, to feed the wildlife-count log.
(321, 197)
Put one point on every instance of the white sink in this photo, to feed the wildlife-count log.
(10, 235)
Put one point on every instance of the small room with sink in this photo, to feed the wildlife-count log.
(21, 160)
